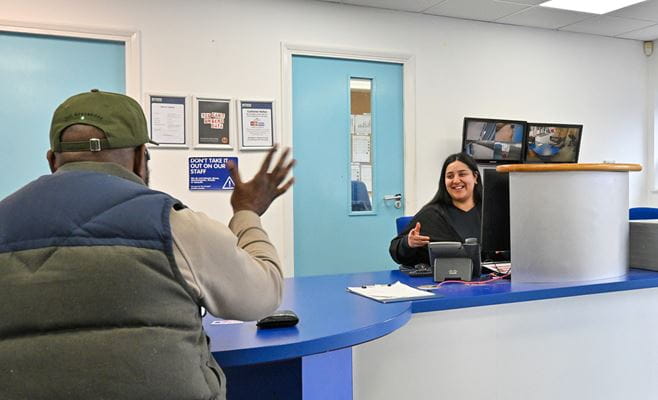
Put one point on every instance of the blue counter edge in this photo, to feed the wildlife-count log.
(635, 279)
(452, 296)
(231, 358)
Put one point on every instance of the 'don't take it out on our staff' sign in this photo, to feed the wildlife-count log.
(210, 173)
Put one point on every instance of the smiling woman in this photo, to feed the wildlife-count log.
(453, 214)
(460, 182)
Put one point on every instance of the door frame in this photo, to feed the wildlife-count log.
(130, 39)
(408, 61)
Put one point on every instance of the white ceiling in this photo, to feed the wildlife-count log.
(638, 22)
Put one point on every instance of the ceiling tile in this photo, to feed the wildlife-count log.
(650, 33)
(607, 26)
(522, 2)
(482, 10)
(406, 5)
(647, 10)
(542, 17)
(636, 22)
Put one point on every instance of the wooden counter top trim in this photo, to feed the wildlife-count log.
(568, 167)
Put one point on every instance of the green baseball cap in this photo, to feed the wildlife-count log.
(120, 117)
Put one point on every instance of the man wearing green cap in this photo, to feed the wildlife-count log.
(102, 278)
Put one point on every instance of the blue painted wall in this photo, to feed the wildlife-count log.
(36, 74)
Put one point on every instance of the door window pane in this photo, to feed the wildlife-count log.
(361, 144)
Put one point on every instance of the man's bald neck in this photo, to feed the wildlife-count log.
(129, 158)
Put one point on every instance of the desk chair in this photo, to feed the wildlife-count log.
(642, 213)
(360, 198)
(402, 222)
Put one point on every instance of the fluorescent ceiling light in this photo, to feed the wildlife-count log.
(590, 6)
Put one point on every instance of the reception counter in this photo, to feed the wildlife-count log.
(568, 222)
(543, 341)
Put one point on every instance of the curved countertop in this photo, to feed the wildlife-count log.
(332, 319)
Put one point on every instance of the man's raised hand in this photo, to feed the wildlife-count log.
(257, 194)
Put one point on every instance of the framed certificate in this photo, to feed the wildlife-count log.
(168, 119)
(212, 123)
(256, 120)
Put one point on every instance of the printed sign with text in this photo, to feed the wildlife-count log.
(211, 173)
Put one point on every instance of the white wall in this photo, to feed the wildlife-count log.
(463, 68)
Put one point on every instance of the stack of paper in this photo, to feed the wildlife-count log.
(391, 292)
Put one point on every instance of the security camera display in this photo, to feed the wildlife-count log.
(553, 143)
(494, 141)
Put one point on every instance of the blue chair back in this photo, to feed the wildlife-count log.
(642, 213)
(360, 198)
(402, 222)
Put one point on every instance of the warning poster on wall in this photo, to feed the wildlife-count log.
(211, 173)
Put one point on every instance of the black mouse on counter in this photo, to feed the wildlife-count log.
(280, 319)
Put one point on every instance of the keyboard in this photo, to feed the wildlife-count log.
(417, 270)
(421, 272)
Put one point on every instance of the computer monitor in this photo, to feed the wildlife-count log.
(495, 234)
(553, 143)
(494, 141)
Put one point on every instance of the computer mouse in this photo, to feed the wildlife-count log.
(280, 319)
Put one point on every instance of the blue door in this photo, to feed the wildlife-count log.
(349, 159)
(37, 73)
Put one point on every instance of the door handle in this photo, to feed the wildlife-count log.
(393, 196)
(397, 197)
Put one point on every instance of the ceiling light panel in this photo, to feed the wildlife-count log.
(590, 6)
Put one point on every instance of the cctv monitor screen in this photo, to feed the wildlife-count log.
(495, 234)
(553, 143)
(494, 141)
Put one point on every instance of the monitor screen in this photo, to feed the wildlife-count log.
(495, 235)
(553, 143)
(494, 141)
